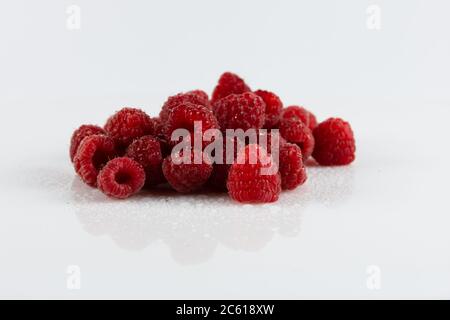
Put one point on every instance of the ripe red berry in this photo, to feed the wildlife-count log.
(240, 111)
(335, 143)
(147, 152)
(229, 83)
(247, 181)
(81, 133)
(296, 112)
(93, 153)
(273, 108)
(187, 177)
(196, 97)
(128, 124)
(292, 170)
(121, 178)
(295, 131)
(184, 116)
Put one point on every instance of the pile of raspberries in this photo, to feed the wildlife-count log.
(133, 150)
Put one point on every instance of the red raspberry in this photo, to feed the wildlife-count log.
(186, 177)
(292, 170)
(240, 111)
(81, 133)
(93, 153)
(295, 131)
(246, 183)
(296, 112)
(121, 178)
(273, 108)
(196, 97)
(147, 152)
(335, 143)
(229, 83)
(128, 124)
(184, 115)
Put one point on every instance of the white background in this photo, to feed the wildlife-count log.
(389, 209)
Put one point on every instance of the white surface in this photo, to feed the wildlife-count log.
(388, 209)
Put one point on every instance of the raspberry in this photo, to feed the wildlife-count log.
(93, 153)
(246, 183)
(301, 113)
(186, 177)
(197, 97)
(229, 83)
(184, 115)
(295, 131)
(147, 152)
(273, 108)
(240, 111)
(121, 178)
(292, 170)
(81, 133)
(335, 144)
(128, 124)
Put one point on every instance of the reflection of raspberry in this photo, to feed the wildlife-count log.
(187, 177)
(121, 178)
(246, 183)
(273, 108)
(229, 83)
(335, 144)
(81, 133)
(292, 170)
(147, 152)
(240, 111)
(295, 131)
(196, 97)
(296, 112)
(93, 153)
(185, 115)
(127, 125)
